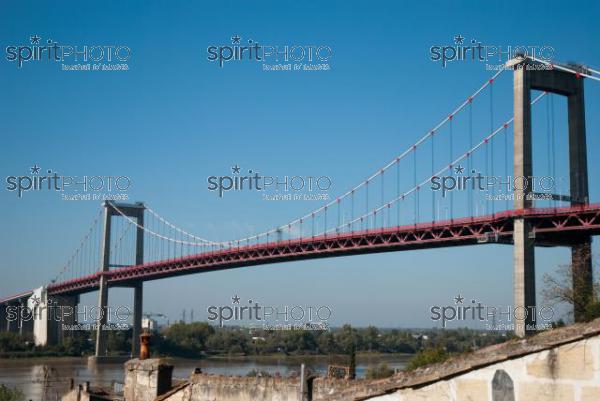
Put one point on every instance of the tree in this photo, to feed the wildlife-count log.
(189, 339)
(572, 284)
(352, 366)
(371, 338)
(347, 339)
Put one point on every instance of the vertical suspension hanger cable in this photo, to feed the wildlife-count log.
(553, 137)
(339, 211)
(432, 173)
(397, 188)
(505, 132)
(367, 205)
(382, 196)
(325, 221)
(352, 210)
(416, 211)
(470, 157)
(451, 127)
(162, 241)
(492, 141)
(548, 138)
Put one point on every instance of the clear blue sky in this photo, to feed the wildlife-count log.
(174, 118)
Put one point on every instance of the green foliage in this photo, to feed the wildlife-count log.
(380, 371)
(426, 357)
(189, 340)
(196, 339)
(592, 311)
(348, 339)
(119, 341)
(258, 373)
(10, 342)
(10, 394)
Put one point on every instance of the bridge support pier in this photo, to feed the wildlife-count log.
(581, 270)
(20, 318)
(27, 325)
(48, 316)
(524, 279)
(11, 324)
(138, 302)
(66, 315)
(581, 253)
(103, 307)
(571, 86)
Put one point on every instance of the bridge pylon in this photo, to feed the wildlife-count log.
(531, 75)
(134, 211)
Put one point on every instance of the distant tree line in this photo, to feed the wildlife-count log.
(201, 339)
(196, 339)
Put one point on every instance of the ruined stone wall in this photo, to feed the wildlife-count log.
(203, 387)
(521, 370)
(147, 379)
(570, 372)
(232, 388)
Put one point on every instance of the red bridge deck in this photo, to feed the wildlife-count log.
(551, 226)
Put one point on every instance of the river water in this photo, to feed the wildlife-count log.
(33, 375)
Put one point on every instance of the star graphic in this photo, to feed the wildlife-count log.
(235, 169)
(459, 169)
(235, 299)
(459, 299)
(35, 169)
(235, 39)
(35, 299)
(458, 39)
(34, 39)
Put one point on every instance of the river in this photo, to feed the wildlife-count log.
(32, 375)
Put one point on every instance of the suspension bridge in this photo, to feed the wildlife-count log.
(396, 208)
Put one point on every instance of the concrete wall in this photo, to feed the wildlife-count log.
(231, 388)
(570, 372)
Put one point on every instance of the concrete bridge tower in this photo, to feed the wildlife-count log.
(134, 211)
(529, 76)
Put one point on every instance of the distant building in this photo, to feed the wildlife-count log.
(149, 324)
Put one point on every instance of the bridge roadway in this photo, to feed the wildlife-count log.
(550, 227)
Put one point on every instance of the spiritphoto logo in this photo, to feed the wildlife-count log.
(473, 50)
(289, 57)
(285, 187)
(271, 317)
(110, 57)
(498, 187)
(79, 187)
(53, 310)
(494, 318)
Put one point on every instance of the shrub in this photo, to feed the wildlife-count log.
(427, 357)
(258, 373)
(380, 371)
(10, 394)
